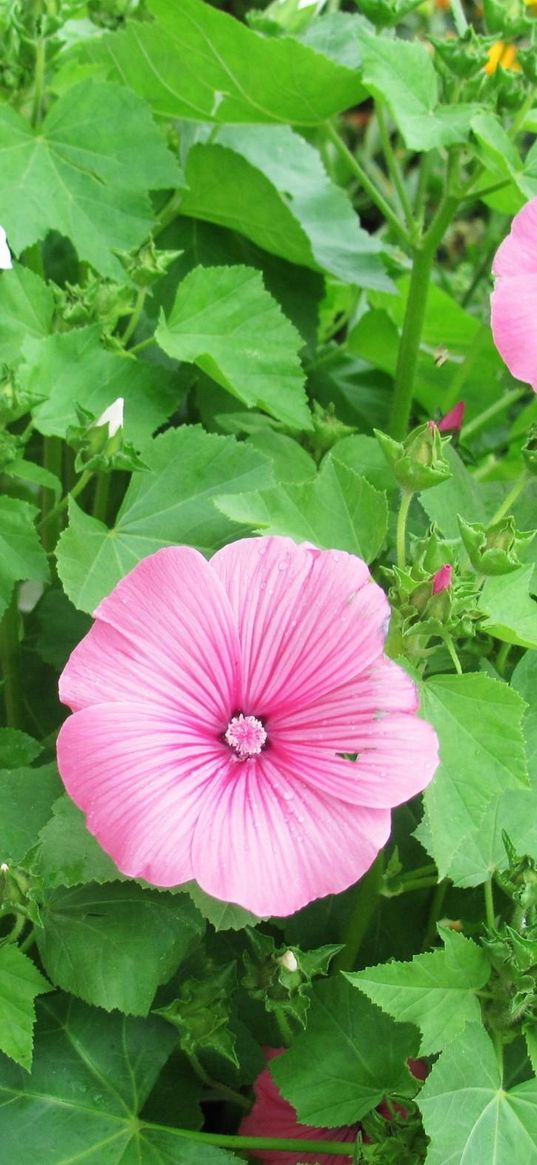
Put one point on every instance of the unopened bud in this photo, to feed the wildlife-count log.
(453, 420)
(493, 550)
(5, 253)
(112, 417)
(419, 462)
(288, 961)
(442, 579)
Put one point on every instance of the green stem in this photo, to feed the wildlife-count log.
(501, 658)
(416, 884)
(394, 168)
(53, 461)
(402, 516)
(459, 17)
(62, 504)
(100, 500)
(143, 344)
(376, 197)
(437, 902)
(366, 897)
(39, 81)
(283, 1145)
(28, 942)
(512, 496)
(9, 661)
(418, 292)
(135, 316)
(229, 1093)
(284, 1027)
(453, 654)
(167, 214)
(483, 418)
(489, 903)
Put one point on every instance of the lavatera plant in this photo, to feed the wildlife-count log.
(268, 633)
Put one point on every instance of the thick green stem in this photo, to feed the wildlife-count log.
(489, 904)
(414, 317)
(284, 1027)
(100, 500)
(376, 197)
(453, 654)
(53, 461)
(62, 504)
(483, 418)
(367, 895)
(9, 662)
(39, 81)
(402, 516)
(329, 1148)
(143, 344)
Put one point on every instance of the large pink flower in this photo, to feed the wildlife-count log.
(272, 1116)
(514, 299)
(213, 702)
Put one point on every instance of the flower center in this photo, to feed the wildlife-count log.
(246, 735)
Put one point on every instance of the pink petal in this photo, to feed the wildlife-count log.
(398, 753)
(514, 323)
(142, 781)
(517, 255)
(271, 843)
(308, 620)
(166, 632)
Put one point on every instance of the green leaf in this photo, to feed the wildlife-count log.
(36, 474)
(26, 309)
(171, 502)
(339, 510)
(436, 991)
(26, 800)
(67, 854)
(288, 204)
(20, 982)
(225, 321)
(462, 494)
(69, 175)
(467, 1113)
(511, 611)
(290, 461)
(114, 945)
(73, 369)
(350, 1057)
(479, 725)
(203, 65)
(92, 1076)
(21, 553)
(221, 915)
(17, 748)
(364, 455)
(401, 74)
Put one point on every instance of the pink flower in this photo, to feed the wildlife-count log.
(272, 1116)
(442, 579)
(514, 299)
(214, 703)
(452, 422)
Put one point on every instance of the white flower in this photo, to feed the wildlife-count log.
(288, 961)
(5, 253)
(112, 416)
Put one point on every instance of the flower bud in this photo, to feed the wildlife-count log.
(112, 417)
(529, 451)
(419, 462)
(492, 550)
(442, 579)
(386, 13)
(453, 420)
(464, 56)
(288, 961)
(503, 20)
(5, 253)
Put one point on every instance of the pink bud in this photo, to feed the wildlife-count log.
(442, 579)
(452, 422)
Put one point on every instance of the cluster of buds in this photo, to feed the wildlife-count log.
(96, 301)
(100, 443)
(327, 429)
(419, 462)
(464, 56)
(201, 1013)
(387, 13)
(281, 977)
(492, 550)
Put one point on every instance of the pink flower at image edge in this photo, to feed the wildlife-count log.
(273, 1116)
(212, 704)
(514, 299)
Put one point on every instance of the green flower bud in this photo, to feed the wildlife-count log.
(492, 550)
(506, 18)
(465, 56)
(419, 462)
(147, 265)
(386, 13)
(327, 428)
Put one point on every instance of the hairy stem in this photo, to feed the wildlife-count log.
(9, 662)
(366, 897)
(283, 1145)
(375, 195)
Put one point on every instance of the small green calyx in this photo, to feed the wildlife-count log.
(327, 429)
(148, 264)
(493, 550)
(419, 462)
(100, 443)
(465, 56)
(386, 13)
(506, 18)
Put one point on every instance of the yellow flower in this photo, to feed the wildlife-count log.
(502, 54)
